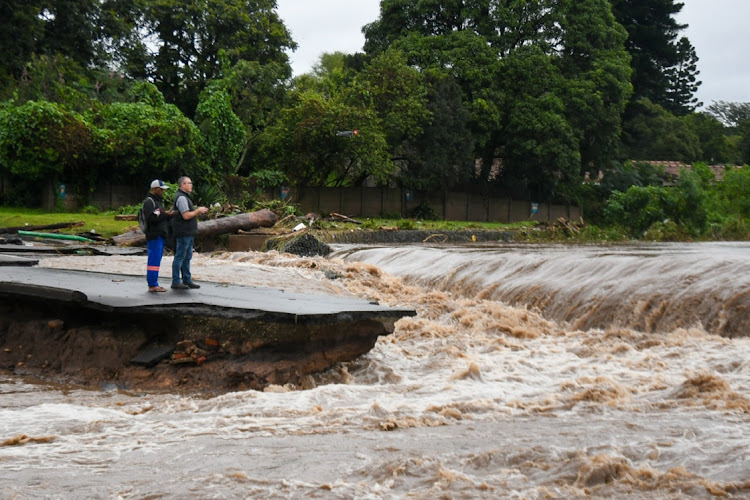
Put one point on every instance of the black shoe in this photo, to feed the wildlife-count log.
(179, 286)
(192, 285)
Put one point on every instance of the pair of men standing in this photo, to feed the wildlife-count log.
(184, 228)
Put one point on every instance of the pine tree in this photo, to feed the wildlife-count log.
(680, 98)
(663, 66)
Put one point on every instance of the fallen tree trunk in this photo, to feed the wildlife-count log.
(213, 227)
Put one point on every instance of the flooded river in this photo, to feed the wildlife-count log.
(529, 372)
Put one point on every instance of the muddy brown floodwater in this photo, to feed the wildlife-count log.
(529, 372)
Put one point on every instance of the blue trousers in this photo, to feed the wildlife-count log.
(183, 252)
(155, 250)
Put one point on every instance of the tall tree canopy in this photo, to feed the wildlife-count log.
(190, 34)
(92, 33)
(546, 82)
(664, 68)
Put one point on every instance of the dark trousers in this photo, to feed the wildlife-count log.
(183, 252)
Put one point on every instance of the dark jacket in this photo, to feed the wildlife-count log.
(158, 224)
(180, 226)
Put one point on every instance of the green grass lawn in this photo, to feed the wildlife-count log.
(103, 223)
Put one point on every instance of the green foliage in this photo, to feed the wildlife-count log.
(396, 93)
(329, 62)
(146, 93)
(442, 156)
(733, 193)
(129, 209)
(282, 208)
(405, 224)
(714, 144)
(537, 144)
(651, 133)
(43, 140)
(209, 194)
(639, 207)
(653, 46)
(267, 179)
(424, 211)
(192, 33)
(223, 133)
(744, 141)
(257, 94)
(665, 231)
(668, 213)
(691, 201)
(638, 173)
(141, 141)
(304, 145)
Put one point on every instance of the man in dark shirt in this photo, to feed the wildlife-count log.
(184, 227)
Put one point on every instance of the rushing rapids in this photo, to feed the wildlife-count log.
(649, 287)
(494, 390)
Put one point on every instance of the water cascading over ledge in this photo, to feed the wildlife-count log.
(646, 287)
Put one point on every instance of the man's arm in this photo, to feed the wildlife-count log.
(182, 207)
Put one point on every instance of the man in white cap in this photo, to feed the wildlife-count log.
(157, 230)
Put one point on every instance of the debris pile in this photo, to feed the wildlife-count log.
(304, 245)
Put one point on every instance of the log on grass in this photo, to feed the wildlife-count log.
(213, 227)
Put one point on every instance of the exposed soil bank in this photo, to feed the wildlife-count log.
(97, 329)
(69, 344)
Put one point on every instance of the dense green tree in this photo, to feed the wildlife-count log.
(691, 196)
(734, 192)
(303, 143)
(45, 142)
(396, 93)
(652, 133)
(147, 138)
(711, 134)
(92, 33)
(639, 207)
(71, 28)
(442, 156)
(20, 29)
(258, 93)
(328, 62)
(632, 173)
(596, 68)
(190, 35)
(223, 133)
(552, 117)
(534, 144)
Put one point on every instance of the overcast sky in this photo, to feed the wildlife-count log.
(717, 30)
